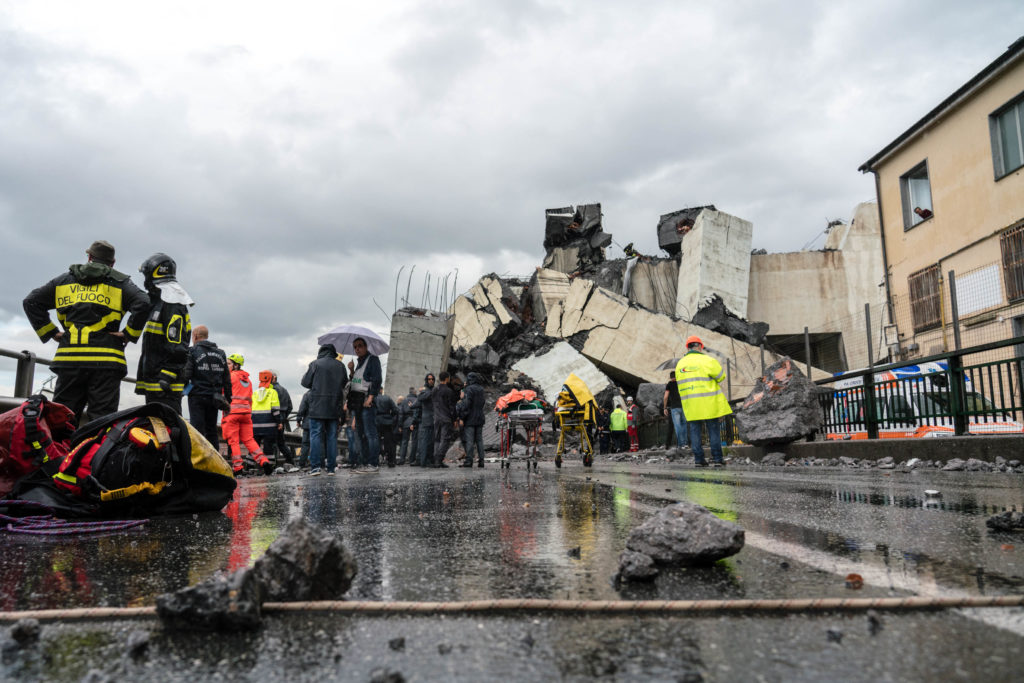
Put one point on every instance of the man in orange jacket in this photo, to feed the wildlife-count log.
(237, 425)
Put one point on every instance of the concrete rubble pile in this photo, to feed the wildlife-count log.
(572, 317)
(304, 563)
(683, 534)
(782, 407)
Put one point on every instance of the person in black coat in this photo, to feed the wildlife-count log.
(444, 401)
(285, 400)
(386, 416)
(326, 379)
(406, 416)
(473, 406)
(424, 422)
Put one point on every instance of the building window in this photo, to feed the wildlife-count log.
(1007, 125)
(925, 304)
(1011, 243)
(917, 196)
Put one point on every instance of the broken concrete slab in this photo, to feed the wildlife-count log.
(782, 407)
(305, 563)
(714, 315)
(546, 288)
(224, 602)
(572, 308)
(653, 284)
(550, 369)
(473, 326)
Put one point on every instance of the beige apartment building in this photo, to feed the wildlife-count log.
(951, 198)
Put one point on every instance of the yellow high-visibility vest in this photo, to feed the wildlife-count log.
(699, 378)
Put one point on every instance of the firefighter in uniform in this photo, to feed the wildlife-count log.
(699, 378)
(167, 334)
(91, 299)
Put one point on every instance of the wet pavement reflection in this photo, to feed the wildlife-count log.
(464, 535)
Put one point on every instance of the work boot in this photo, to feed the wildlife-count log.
(466, 463)
(480, 463)
(701, 463)
(237, 466)
(264, 462)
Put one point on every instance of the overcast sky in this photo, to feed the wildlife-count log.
(293, 156)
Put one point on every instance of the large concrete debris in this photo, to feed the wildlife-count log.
(304, 563)
(223, 602)
(671, 231)
(487, 314)
(420, 343)
(684, 534)
(782, 407)
(713, 315)
(573, 238)
(715, 259)
(549, 370)
(650, 396)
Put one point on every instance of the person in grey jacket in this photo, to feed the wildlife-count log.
(326, 379)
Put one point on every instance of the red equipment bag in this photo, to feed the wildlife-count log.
(35, 432)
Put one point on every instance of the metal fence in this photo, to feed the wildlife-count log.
(955, 393)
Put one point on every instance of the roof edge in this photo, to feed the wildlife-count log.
(1013, 52)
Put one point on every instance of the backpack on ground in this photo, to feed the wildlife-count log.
(137, 462)
(35, 432)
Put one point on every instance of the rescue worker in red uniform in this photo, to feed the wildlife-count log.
(237, 425)
(91, 299)
(166, 337)
(632, 421)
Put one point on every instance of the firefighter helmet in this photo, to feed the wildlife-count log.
(158, 268)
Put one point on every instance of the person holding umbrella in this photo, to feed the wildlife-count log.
(366, 381)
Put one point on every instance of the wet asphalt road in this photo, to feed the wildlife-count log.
(500, 534)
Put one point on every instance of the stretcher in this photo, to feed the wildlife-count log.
(531, 420)
(576, 410)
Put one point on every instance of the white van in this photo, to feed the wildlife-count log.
(911, 402)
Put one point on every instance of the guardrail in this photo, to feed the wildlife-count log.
(947, 397)
(24, 375)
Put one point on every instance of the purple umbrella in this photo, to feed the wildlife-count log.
(342, 337)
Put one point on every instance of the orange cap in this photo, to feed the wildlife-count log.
(694, 339)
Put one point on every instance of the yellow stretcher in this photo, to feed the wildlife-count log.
(576, 410)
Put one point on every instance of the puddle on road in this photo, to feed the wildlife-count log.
(471, 537)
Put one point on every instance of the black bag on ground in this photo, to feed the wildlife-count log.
(137, 462)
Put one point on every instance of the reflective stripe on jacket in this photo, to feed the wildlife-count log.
(241, 392)
(164, 345)
(90, 300)
(266, 411)
(699, 377)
